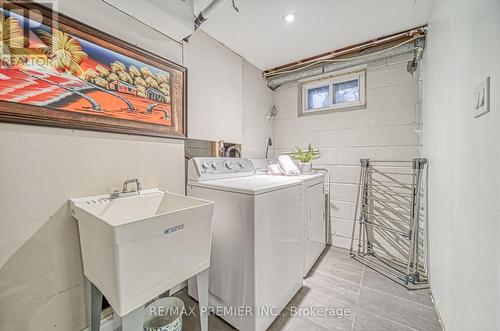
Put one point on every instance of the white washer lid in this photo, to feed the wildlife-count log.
(307, 177)
(317, 176)
(249, 185)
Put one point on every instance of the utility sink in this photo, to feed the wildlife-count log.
(136, 247)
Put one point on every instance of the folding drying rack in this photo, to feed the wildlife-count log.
(389, 223)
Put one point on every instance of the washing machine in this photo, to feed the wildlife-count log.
(257, 255)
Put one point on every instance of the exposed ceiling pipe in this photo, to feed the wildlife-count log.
(209, 10)
(323, 68)
(350, 52)
(417, 55)
(205, 13)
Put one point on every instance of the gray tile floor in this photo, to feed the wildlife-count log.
(368, 300)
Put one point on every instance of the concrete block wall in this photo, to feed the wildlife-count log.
(388, 128)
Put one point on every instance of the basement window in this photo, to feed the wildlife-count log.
(318, 97)
(334, 93)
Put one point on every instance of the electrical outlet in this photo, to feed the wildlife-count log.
(482, 98)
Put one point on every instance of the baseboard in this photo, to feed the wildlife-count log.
(440, 318)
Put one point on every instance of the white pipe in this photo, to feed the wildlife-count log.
(205, 13)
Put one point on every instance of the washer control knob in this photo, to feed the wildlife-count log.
(205, 165)
(229, 165)
(214, 165)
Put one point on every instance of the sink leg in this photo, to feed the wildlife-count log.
(202, 285)
(95, 308)
(133, 321)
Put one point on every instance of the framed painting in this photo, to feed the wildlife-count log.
(55, 71)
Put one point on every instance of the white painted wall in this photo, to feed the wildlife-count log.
(384, 130)
(464, 158)
(228, 99)
(41, 278)
(215, 90)
(257, 99)
(172, 17)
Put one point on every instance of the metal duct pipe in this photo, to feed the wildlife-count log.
(205, 13)
(417, 55)
(276, 81)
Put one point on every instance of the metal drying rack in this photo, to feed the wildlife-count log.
(389, 223)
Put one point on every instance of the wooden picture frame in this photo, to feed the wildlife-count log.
(37, 87)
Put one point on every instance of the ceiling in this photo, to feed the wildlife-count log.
(259, 34)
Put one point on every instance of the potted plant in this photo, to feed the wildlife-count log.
(305, 157)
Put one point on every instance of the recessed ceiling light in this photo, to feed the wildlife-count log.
(289, 18)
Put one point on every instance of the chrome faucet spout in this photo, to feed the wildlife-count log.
(232, 148)
(125, 192)
(138, 186)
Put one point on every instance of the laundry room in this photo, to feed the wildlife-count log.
(249, 165)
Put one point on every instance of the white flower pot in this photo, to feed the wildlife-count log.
(305, 168)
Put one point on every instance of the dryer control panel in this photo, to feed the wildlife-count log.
(206, 168)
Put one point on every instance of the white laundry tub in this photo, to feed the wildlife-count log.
(135, 248)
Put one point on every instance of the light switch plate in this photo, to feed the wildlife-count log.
(482, 98)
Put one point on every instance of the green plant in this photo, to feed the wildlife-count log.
(307, 155)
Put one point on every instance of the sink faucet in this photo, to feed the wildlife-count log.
(125, 191)
(232, 148)
(138, 187)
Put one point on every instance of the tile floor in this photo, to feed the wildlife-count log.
(375, 303)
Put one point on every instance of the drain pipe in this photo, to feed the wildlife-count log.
(205, 13)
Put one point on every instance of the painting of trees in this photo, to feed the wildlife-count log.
(13, 43)
(141, 78)
(55, 71)
(133, 71)
(64, 51)
(66, 55)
